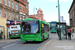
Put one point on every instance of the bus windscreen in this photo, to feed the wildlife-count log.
(30, 27)
(53, 24)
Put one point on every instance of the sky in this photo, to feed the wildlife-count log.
(49, 9)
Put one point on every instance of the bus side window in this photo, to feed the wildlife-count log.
(42, 30)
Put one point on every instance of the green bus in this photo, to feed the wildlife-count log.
(53, 26)
(34, 30)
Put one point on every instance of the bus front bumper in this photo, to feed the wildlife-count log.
(30, 39)
(16, 36)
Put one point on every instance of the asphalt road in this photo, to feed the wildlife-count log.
(18, 45)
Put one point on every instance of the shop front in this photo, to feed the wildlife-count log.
(9, 23)
(3, 28)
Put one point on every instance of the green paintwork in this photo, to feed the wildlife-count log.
(34, 37)
(53, 31)
(16, 36)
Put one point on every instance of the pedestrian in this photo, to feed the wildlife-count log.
(58, 31)
(69, 33)
(73, 31)
(1, 34)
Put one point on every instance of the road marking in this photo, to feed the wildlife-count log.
(40, 47)
(9, 45)
(46, 43)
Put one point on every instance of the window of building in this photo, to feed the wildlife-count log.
(39, 11)
(21, 18)
(25, 1)
(16, 7)
(20, 8)
(0, 1)
(8, 3)
(0, 12)
(16, 16)
(12, 16)
(5, 14)
(5, 2)
(26, 7)
(24, 17)
(12, 5)
(9, 16)
(23, 9)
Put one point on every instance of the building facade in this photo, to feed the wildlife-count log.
(14, 9)
(23, 9)
(72, 15)
(39, 15)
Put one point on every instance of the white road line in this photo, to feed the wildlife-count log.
(9, 45)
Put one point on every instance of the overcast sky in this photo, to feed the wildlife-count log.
(49, 9)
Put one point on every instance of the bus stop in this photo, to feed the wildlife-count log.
(63, 30)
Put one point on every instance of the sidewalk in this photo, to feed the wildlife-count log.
(8, 40)
(56, 44)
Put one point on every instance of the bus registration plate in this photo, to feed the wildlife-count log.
(15, 36)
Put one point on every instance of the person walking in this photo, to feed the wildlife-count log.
(1, 34)
(58, 31)
(69, 33)
(73, 31)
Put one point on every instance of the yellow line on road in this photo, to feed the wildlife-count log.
(46, 43)
(40, 47)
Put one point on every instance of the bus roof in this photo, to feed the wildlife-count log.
(35, 19)
(53, 21)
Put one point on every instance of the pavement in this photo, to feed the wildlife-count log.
(8, 40)
(56, 44)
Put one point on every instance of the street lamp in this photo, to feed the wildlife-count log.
(59, 20)
(34, 11)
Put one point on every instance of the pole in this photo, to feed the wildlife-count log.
(34, 12)
(59, 20)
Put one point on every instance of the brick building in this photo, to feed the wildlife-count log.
(39, 15)
(23, 9)
(14, 9)
(72, 15)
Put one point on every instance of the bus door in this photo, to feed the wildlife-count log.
(42, 29)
